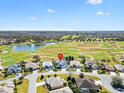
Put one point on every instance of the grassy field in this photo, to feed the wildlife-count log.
(97, 50)
(23, 88)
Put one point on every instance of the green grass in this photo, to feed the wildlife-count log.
(23, 88)
(94, 49)
(41, 90)
(10, 76)
(104, 90)
(14, 57)
(64, 76)
(106, 45)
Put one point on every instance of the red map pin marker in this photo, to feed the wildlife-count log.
(60, 56)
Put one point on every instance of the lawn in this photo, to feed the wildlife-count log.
(104, 90)
(41, 90)
(64, 76)
(23, 88)
(10, 76)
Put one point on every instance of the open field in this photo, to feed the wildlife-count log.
(96, 50)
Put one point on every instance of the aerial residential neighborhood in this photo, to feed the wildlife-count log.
(62, 66)
(61, 46)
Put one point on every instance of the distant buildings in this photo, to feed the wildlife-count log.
(5, 41)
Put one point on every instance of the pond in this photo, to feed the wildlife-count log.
(29, 48)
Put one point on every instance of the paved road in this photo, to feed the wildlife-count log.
(32, 82)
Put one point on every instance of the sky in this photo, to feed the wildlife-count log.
(65, 15)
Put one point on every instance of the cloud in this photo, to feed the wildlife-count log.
(100, 13)
(50, 11)
(95, 2)
(33, 18)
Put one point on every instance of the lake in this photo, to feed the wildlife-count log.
(29, 48)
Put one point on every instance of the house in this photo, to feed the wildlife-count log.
(62, 64)
(54, 83)
(32, 65)
(95, 67)
(122, 59)
(109, 68)
(10, 84)
(18, 76)
(1, 67)
(75, 63)
(119, 67)
(88, 65)
(62, 90)
(86, 85)
(5, 89)
(47, 65)
(14, 69)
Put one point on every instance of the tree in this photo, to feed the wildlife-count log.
(73, 80)
(81, 75)
(5, 72)
(69, 58)
(48, 76)
(15, 89)
(68, 78)
(36, 58)
(41, 77)
(83, 59)
(55, 75)
(117, 82)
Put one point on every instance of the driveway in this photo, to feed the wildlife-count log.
(113, 73)
(121, 74)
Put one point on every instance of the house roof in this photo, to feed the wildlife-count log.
(108, 67)
(55, 82)
(119, 67)
(62, 63)
(47, 63)
(77, 63)
(32, 65)
(95, 66)
(90, 63)
(6, 89)
(14, 68)
(10, 84)
(62, 90)
(86, 83)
